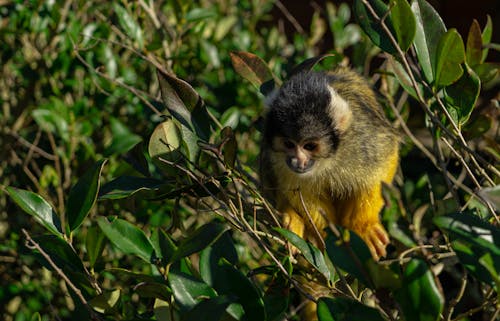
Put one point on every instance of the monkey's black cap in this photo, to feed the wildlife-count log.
(300, 108)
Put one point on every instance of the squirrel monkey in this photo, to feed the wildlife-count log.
(326, 150)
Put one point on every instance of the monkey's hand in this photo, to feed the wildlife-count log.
(377, 239)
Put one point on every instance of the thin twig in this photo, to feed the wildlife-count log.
(31, 244)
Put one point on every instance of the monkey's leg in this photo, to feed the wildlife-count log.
(361, 214)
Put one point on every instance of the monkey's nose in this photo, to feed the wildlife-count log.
(300, 166)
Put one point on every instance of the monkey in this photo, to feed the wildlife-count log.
(326, 150)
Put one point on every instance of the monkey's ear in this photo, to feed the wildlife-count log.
(340, 111)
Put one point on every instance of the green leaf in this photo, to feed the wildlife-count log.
(212, 308)
(129, 25)
(199, 239)
(185, 105)
(429, 30)
(372, 26)
(36, 206)
(211, 256)
(65, 258)
(165, 144)
(419, 297)
(345, 309)
(127, 237)
(60, 252)
(200, 14)
(450, 56)
(486, 37)
(123, 139)
(472, 229)
(311, 253)
(153, 290)
(105, 302)
(487, 71)
(251, 67)
(351, 255)
(126, 186)
(277, 295)
(163, 245)
(83, 195)
(404, 23)
(474, 49)
(232, 282)
(188, 290)
(473, 238)
(230, 148)
(94, 243)
(462, 95)
(51, 121)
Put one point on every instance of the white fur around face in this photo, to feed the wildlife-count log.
(340, 110)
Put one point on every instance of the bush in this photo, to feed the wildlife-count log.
(147, 206)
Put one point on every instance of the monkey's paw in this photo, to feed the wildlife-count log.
(377, 239)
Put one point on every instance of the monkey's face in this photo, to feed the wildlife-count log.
(302, 156)
(305, 121)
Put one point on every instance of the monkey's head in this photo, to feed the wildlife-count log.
(305, 121)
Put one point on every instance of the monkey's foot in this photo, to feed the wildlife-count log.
(377, 239)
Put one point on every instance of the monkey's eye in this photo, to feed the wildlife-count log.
(288, 144)
(310, 146)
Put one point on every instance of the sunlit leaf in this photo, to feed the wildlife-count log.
(51, 121)
(36, 206)
(429, 30)
(450, 56)
(153, 290)
(345, 309)
(127, 237)
(372, 25)
(311, 253)
(199, 239)
(83, 195)
(164, 144)
(474, 48)
(404, 23)
(462, 95)
(200, 14)
(105, 302)
(251, 67)
(419, 297)
(129, 25)
(473, 238)
(486, 37)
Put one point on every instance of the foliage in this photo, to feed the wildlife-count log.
(148, 208)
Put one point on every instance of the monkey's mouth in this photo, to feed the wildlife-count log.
(300, 168)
